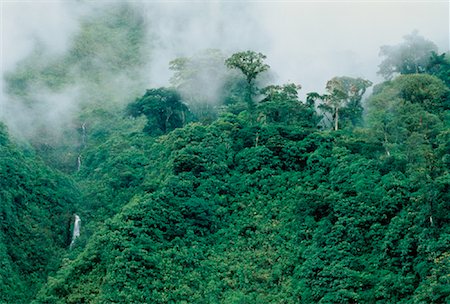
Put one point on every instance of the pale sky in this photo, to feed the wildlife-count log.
(327, 39)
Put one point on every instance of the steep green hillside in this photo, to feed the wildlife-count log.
(35, 221)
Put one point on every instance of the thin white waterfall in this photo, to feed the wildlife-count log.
(83, 134)
(79, 162)
(76, 229)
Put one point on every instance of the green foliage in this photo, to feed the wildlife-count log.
(112, 41)
(343, 100)
(163, 108)
(205, 83)
(281, 105)
(428, 91)
(35, 218)
(192, 74)
(439, 66)
(251, 64)
(107, 43)
(275, 211)
(410, 57)
(101, 69)
(410, 105)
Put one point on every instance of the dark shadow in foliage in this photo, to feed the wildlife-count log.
(163, 108)
(188, 163)
(200, 215)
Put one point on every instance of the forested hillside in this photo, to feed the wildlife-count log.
(36, 210)
(237, 192)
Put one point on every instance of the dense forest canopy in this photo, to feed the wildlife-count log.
(224, 186)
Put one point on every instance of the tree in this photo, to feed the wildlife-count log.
(281, 105)
(407, 106)
(163, 108)
(411, 56)
(200, 79)
(343, 93)
(439, 66)
(251, 64)
(426, 90)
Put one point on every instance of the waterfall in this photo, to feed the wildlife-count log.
(83, 134)
(76, 229)
(79, 162)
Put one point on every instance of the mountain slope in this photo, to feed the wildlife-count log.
(36, 214)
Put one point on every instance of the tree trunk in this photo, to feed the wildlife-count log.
(169, 113)
(249, 94)
(83, 134)
(336, 119)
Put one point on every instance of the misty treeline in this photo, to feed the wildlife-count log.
(222, 187)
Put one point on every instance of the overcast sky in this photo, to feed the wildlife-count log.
(312, 42)
(307, 42)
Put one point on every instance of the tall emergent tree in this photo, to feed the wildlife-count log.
(344, 95)
(251, 64)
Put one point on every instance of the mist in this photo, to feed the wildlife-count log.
(306, 43)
